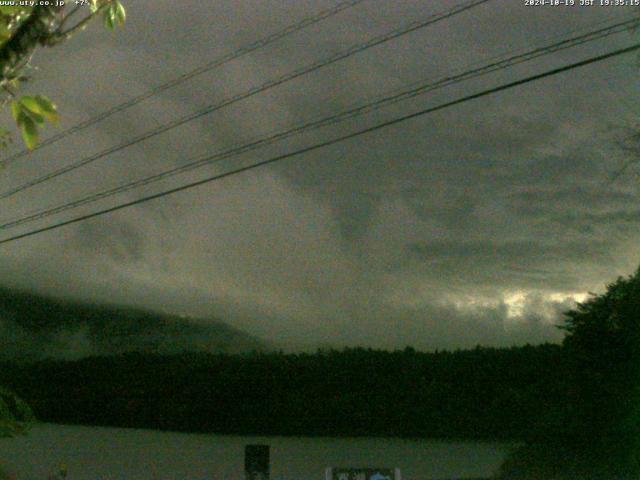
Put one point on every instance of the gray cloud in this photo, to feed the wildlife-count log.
(423, 233)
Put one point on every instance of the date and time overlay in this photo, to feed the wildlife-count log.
(527, 3)
(582, 3)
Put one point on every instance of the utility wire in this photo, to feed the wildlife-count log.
(327, 143)
(218, 62)
(333, 119)
(412, 27)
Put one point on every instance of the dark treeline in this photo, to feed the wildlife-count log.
(479, 393)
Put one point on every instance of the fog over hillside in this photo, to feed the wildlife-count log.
(34, 326)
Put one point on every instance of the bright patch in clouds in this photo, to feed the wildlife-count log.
(516, 303)
(521, 303)
(572, 297)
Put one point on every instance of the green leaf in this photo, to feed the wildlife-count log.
(30, 104)
(41, 106)
(29, 131)
(16, 110)
(115, 15)
(47, 105)
(109, 18)
(121, 13)
(32, 108)
(30, 112)
(36, 117)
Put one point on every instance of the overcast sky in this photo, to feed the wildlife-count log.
(474, 225)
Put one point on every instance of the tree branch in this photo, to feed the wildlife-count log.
(75, 10)
(35, 30)
(60, 37)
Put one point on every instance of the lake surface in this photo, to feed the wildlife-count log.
(92, 453)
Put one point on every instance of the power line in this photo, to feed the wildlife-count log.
(326, 143)
(491, 67)
(412, 27)
(218, 62)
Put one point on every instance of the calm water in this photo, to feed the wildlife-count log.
(112, 453)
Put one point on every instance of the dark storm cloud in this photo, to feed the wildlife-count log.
(477, 224)
(508, 264)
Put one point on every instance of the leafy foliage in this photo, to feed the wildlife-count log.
(30, 113)
(114, 13)
(11, 17)
(596, 431)
(15, 415)
(24, 28)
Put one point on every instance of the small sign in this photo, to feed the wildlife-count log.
(256, 462)
(363, 474)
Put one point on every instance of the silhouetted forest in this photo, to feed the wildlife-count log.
(480, 393)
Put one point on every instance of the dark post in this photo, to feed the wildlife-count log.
(256, 462)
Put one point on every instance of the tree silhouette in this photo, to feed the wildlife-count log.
(595, 431)
(603, 350)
